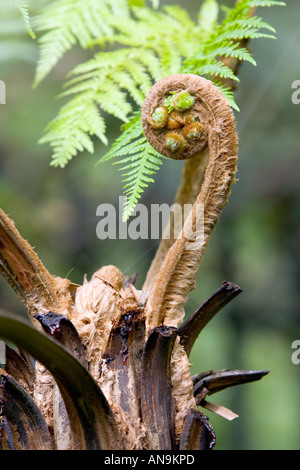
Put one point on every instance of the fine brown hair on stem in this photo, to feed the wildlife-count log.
(176, 276)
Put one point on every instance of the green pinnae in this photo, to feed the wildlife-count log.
(175, 142)
(159, 117)
(183, 101)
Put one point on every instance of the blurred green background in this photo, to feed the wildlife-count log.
(256, 243)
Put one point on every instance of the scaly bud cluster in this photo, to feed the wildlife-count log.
(173, 118)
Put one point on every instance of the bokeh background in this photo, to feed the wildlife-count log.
(256, 242)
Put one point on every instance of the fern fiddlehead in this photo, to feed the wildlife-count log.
(179, 97)
(170, 287)
(176, 277)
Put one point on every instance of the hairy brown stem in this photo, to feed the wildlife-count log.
(176, 276)
(189, 187)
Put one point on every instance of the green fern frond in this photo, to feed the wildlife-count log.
(15, 29)
(138, 163)
(79, 121)
(105, 83)
(144, 161)
(266, 3)
(130, 132)
(208, 15)
(23, 8)
(67, 22)
(228, 93)
(148, 45)
(222, 41)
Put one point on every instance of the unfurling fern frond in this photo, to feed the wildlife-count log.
(148, 45)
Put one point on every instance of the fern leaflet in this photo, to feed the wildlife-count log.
(23, 8)
(67, 22)
(138, 163)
